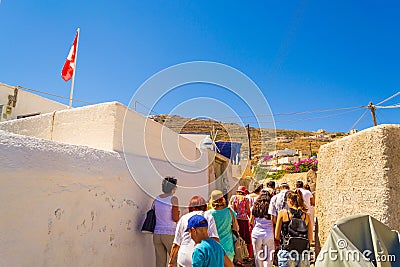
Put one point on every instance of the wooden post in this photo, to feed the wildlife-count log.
(248, 136)
(372, 108)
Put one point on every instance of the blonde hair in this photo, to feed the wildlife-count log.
(221, 202)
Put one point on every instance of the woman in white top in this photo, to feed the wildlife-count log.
(262, 234)
(167, 214)
(183, 245)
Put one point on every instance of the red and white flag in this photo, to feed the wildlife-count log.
(69, 66)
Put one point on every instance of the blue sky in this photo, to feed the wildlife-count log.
(303, 55)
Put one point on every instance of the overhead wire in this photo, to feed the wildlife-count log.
(53, 95)
(349, 109)
(391, 106)
(387, 99)
(292, 113)
(377, 107)
(359, 120)
(149, 109)
(306, 119)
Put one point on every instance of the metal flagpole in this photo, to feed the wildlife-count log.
(73, 75)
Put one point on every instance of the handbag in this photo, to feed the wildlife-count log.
(235, 224)
(240, 246)
(241, 251)
(150, 222)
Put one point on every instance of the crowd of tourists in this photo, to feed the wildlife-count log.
(270, 226)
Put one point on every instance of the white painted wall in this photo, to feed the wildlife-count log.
(65, 205)
(152, 150)
(28, 103)
(73, 199)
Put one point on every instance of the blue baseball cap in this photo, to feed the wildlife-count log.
(196, 221)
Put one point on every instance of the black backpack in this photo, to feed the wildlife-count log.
(297, 236)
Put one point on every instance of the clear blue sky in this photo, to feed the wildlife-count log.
(303, 55)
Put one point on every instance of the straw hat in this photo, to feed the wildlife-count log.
(215, 195)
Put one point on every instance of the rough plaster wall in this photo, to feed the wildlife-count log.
(91, 126)
(359, 174)
(65, 205)
(102, 126)
(38, 126)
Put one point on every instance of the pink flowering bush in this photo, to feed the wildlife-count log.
(303, 165)
(267, 158)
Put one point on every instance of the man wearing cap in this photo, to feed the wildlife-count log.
(208, 252)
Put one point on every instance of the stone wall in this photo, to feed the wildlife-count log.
(360, 174)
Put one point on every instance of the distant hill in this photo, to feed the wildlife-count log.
(306, 141)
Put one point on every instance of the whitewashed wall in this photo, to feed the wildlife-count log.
(65, 205)
(70, 198)
(152, 150)
(28, 103)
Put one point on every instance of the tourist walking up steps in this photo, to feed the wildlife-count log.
(223, 220)
(208, 252)
(271, 188)
(294, 230)
(241, 205)
(167, 214)
(308, 199)
(262, 235)
(183, 245)
(254, 195)
(278, 202)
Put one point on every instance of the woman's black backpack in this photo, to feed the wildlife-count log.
(297, 236)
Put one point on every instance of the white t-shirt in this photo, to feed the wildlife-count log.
(277, 203)
(307, 195)
(184, 240)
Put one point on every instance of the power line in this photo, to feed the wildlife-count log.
(359, 120)
(349, 109)
(305, 119)
(53, 95)
(387, 99)
(392, 106)
(291, 113)
(296, 120)
(149, 109)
